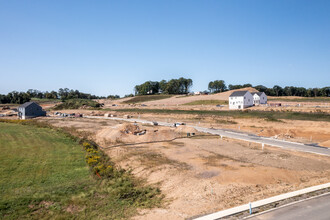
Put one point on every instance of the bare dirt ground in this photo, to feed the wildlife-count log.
(304, 131)
(201, 174)
(294, 130)
(177, 102)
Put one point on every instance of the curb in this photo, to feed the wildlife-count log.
(286, 205)
(256, 204)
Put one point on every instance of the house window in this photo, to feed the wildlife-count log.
(244, 97)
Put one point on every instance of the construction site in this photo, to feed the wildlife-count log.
(198, 172)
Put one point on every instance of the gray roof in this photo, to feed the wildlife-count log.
(26, 104)
(258, 93)
(238, 93)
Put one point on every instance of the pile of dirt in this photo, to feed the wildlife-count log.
(325, 143)
(131, 129)
(180, 100)
(277, 133)
(186, 129)
(134, 133)
(9, 113)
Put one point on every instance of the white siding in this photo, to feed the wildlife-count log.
(241, 102)
(256, 99)
(263, 98)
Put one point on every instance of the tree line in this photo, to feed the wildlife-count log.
(63, 94)
(173, 86)
(182, 86)
(294, 91)
(220, 86)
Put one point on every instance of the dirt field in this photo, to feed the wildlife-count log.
(304, 131)
(201, 174)
(294, 130)
(176, 100)
(300, 104)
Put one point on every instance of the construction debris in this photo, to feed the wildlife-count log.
(133, 129)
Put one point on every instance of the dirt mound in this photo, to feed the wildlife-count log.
(186, 129)
(325, 143)
(131, 129)
(134, 133)
(225, 95)
(181, 99)
(250, 89)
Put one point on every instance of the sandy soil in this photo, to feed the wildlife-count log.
(309, 132)
(177, 102)
(202, 174)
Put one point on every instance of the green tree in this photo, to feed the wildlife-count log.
(217, 86)
(278, 90)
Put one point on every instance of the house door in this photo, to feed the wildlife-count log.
(239, 107)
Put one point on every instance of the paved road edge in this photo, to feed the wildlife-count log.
(256, 204)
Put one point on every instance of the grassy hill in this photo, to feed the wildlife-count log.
(77, 103)
(146, 98)
(43, 174)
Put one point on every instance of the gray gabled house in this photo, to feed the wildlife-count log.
(259, 98)
(30, 110)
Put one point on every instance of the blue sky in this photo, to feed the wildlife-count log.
(107, 47)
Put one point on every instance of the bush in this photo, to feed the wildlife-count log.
(78, 103)
(116, 182)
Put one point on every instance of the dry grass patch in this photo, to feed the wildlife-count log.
(207, 102)
(146, 98)
(151, 159)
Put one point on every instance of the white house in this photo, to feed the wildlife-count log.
(240, 100)
(259, 98)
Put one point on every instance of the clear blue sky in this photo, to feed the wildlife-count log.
(107, 47)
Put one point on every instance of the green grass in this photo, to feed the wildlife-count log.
(208, 102)
(77, 103)
(41, 101)
(43, 174)
(146, 98)
(299, 99)
(239, 114)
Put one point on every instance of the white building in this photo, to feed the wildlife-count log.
(240, 100)
(259, 98)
